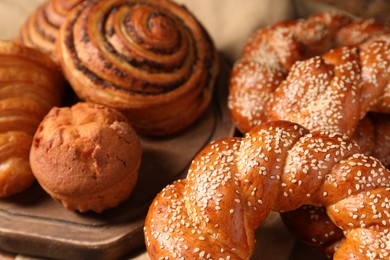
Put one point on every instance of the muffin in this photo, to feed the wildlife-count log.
(86, 156)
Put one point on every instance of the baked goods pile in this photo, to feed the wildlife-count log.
(141, 65)
(300, 91)
(234, 183)
(151, 60)
(321, 74)
(327, 79)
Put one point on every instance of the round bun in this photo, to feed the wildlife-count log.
(152, 60)
(86, 157)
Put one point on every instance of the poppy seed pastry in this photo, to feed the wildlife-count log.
(150, 59)
(86, 156)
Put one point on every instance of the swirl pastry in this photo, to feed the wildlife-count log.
(233, 184)
(29, 86)
(40, 30)
(324, 72)
(150, 59)
(86, 157)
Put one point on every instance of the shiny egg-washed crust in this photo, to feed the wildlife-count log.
(311, 224)
(373, 136)
(40, 30)
(234, 183)
(324, 72)
(150, 59)
(86, 156)
(30, 85)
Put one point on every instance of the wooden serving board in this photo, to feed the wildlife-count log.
(32, 223)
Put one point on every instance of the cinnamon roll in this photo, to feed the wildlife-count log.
(152, 60)
(29, 86)
(40, 30)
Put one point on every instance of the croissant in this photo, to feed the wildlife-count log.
(29, 86)
(40, 30)
(152, 60)
(233, 184)
(324, 72)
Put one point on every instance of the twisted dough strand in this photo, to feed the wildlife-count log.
(281, 74)
(234, 183)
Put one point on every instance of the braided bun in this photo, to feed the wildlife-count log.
(234, 183)
(29, 86)
(311, 224)
(281, 76)
(150, 59)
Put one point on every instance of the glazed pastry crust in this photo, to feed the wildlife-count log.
(324, 72)
(30, 84)
(233, 184)
(87, 157)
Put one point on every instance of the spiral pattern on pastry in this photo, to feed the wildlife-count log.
(309, 71)
(40, 30)
(150, 59)
(30, 84)
(233, 184)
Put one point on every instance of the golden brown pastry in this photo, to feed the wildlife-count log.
(150, 59)
(312, 226)
(308, 71)
(233, 184)
(40, 30)
(86, 156)
(30, 85)
(373, 137)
